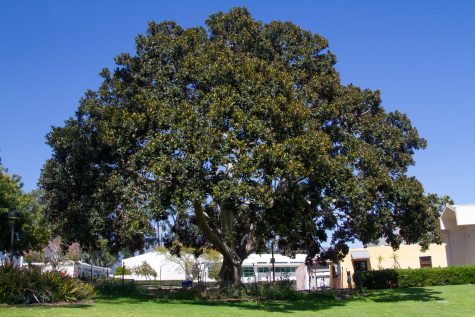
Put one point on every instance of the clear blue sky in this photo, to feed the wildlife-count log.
(420, 54)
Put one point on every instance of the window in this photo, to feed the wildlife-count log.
(278, 269)
(285, 269)
(247, 271)
(425, 261)
(360, 266)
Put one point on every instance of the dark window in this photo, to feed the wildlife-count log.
(360, 265)
(426, 261)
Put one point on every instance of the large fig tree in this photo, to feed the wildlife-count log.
(235, 133)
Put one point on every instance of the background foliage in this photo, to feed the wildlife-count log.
(32, 231)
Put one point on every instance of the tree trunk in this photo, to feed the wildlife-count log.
(230, 273)
(233, 256)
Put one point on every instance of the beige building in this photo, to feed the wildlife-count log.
(457, 224)
(384, 257)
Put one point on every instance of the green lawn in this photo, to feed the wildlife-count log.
(450, 301)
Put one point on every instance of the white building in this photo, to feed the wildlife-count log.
(84, 270)
(5, 258)
(256, 268)
(166, 269)
(77, 269)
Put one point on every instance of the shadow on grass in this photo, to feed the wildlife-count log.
(311, 302)
(404, 294)
(86, 304)
(308, 304)
(318, 302)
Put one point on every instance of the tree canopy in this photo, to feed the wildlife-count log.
(240, 132)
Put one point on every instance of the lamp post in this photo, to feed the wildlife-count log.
(13, 216)
(272, 260)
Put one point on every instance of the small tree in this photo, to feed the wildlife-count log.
(210, 259)
(145, 270)
(380, 260)
(32, 256)
(74, 252)
(214, 269)
(54, 254)
(122, 270)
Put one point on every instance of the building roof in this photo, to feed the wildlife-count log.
(359, 255)
(463, 215)
(264, 259)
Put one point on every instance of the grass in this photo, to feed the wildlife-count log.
(457, 300)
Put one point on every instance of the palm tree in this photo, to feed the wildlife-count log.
(395, 258)
(380, 259)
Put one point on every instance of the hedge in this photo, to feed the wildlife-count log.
(391, 278)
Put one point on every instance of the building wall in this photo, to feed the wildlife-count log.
(461, 245)
(470, 243)
(407, 256)
(169, 270)
(301, 277)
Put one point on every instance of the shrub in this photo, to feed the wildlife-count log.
(119, 290)
(26, 286)
(415, 277)
(387, 278)
(280, 290)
